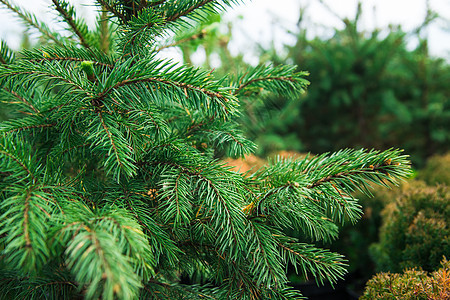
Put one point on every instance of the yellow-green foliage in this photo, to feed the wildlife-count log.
(437, 170)
(415, 230)
(413, 284)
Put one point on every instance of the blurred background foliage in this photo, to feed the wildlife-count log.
(370, 91)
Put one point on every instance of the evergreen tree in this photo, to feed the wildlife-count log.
(110, 183)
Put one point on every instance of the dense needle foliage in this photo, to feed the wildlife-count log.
(109, 178)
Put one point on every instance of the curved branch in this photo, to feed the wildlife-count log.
(22, 100)
(372, 169)
(69, 19)
(181, 85)
(281, 78)
(112, 10)
(18, 162)
(69, 59)
(116, 153)
(187, 11)
(25, 221)
(53, 76)
(31, 127)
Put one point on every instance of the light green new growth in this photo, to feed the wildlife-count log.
(109, 178)
(88, 68)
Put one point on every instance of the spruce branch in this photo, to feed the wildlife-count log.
(69, 59)
(24, 226)
(105, 262)
(17, 159)
(69, 53)
(11, 127)
(112, 9)
(67, 12)
(322, 264)
(53, 284)
(107, 139)
(163, 245)
(188, 10)
(255, 80)
(115, 247)
(6, 54)
(267, 266)
(20, 99)
(282, 80)
(45, 74)
(327, 181)
(181, 85)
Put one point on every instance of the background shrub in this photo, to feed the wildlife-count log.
(415, 230)
(437, 170)
(412, 284)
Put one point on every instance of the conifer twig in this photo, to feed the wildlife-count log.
(22, 99)
(69, 20)
(164, 81)
(112, 10)
(281, 78)
(75, 59)
(187, 11)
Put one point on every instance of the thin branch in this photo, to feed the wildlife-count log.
(25, 221)
(55, 77)
(282, 78)
(188, 11)
(69, 59)
(274, 191)
(18, 162)
(261, 248)
(100, 252)
(116, 153)
(68, 18)
(177, 197)
(112, 10)
(31, 127)
(22, 100)
(230, 135)
(214, 188)
(49, 75)
(31, 22)
(376, 170)
(318, 262)
(164, 81)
